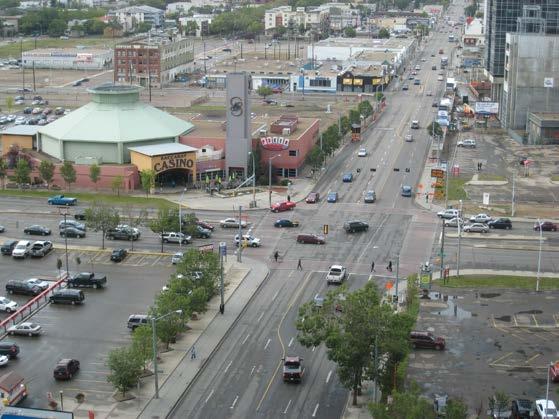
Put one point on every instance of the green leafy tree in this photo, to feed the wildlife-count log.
(9, 102)
(350, 32)
(436, 129)
(196, 262)
(125, 368)
(166, 220)
(135, 218)
(3, 172)
(143, 27)
(169, 327)
(365, 108)
(57, 27)
(346, 125)
(471, 9)
(116, 184)
(191, 27)
(95, 174)
(354, 116)
(279, 32)
(379, 96)
(189, 225)
(94, 27)
(22, 172)
(498, 403)
(384, 33)
(114, 26)
(315, 157)
(402, 4)
(147, 179)
(68, 173)
(405, 405)
(302, 29)
(142, 344)
(245, 21)
(264, 91)
(456, 409)
(101, 218)
(46, 170)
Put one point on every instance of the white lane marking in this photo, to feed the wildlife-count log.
(234, 402)
(290, 274)
(209, 396)
(290, 343)
(328, 377)
(287, 407)
(275, 296)
(372, 238)
(267, 343)
(314, 411)
(260, 317)
(245, 339)
(228, 366)
(252, 370)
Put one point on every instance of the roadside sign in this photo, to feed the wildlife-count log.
(325, 228)
(206, 248)
(223, 248)
(388, 285)
(486, 198)
(438, 173)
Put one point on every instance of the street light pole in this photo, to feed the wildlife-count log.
(253, 180)
(513, 193)
(180, 217)
(539, 256)
(154, 346)
(65, 214)
(459, 236)
(240, 235)
(270, 178)
(397, 278)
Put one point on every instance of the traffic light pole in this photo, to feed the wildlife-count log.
(442, 253)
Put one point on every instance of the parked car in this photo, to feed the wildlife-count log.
(476, 228)
(468, 143)
(310, 239)
(354, 226)
(25, 329)
(454, 222)
(72, 232)
(21, 287)
(87, 279)
(202, 233)
(40, 283)
(426, 340)
(545, 226)
(286, 223)
(546, 409)
(118, 255)
(370, 197)
(522, 409)
(122, 234)
(41, 248)
(22, 249)
(449, 213)
(67, 296)
(71, 223)
(347, 177)
(501, 223)
(480, 218)
(59, 111)
(312, 198)
(9, 349)
(66, 369)
(177, 257)
(37, 230)
(8, 247)
(283, 206)
(7, 305)
(137, 320)
(332, 197)
(336, 274)
(406, 191)
(232, 223)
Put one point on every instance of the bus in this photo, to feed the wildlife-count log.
(450, 84)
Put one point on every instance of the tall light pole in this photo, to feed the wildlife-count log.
(459, 236)
(154, 347)
(240, 235)
(180, 217)
(539, 256)
(253, 205)
(65, 214)
(547, 388)
(512, 210)
(397, 278)
(270, 177)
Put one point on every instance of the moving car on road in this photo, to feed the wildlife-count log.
(408, 138)
(71, 223)
(501, 223)
(292, 369)
(25, 329)
(468, 143)
(332, 197)
(370, 197)
(312, 198)
(310, 239)
(336, 275)
(362, 152)
(476, 228)
(248, 240)
(545, 226)
(347, 178)
(37, 230)
(283, 206)
(232, 223)
(286, 223)
(406, 191)
(62, 200)
(354, 226)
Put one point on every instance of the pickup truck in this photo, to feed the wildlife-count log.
(175, 238)
(293, 369)
(62, 200)
(87, 279)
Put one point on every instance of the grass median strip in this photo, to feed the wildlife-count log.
(500, 281)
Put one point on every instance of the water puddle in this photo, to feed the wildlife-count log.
(453, 310)
(530, 312)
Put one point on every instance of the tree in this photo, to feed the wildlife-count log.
(168, 327)
(471, 9)
(116, 184)
(498, 403)
(3, 172)
(147, 179)
(349, 327)
(350, 32)
(315, 157)
(101, 218)
(143, 27)
(279, 32)
(402, 4)
(346, 125)
(57, 28)
(405, 405)
(94, 173)
(68, 173)
(456, 409)
(302, 29)
(354, 116)
(365, 108)
(94, 27)
(437, 129)
(142, 344)
(264, 91)
(46, 170)
(22, 172)
(125, 368)
(196, 262)
(166, 220)
(9, 99)
(384, 33)
(135, 219)
(191, 27)
(114, 25)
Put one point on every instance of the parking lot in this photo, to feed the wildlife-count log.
(87, 332)
(496, 340)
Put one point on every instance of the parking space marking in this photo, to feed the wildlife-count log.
(531, 358)
(81, 380)
(501, 358)
(535, 321)
(157, 258)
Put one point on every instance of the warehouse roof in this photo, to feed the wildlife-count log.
(161, 149)
(21, 130)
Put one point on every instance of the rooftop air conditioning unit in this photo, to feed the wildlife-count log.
(286, 131)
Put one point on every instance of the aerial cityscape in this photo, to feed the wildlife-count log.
(279, 209)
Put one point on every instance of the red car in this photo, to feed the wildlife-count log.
(312, 198)
(554, 372)
(283, 206)
(205, 225)
(545, 226)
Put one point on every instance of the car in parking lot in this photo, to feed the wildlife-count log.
(426, 340)
(354, 226)
(336, 274)
(546, 409)
(475, 228)
(522, 409)
(37, 282)
(310, 239)
(22, 288)
(177, 257)
(370, 197)
(22, 249)
(362, 152)
(40, 248)
(283, 206)
(448, 213)
(71, 223)
(7, 305)
(454, 222)
(347, 177)
(500, 223)
(467, 143)
(8, 246)
(28, 110)
(122, 234)
(25, 329)
(232, 223)
(286, 223)
(480, 218)
(406, 191)
(66, 369)
(332, 197)
(545, 226)
(202, 233)
(87, 279)
(312, 198)
(72, 232)
(9, 349)
(67, 296)
(118, 255)
(37, 230)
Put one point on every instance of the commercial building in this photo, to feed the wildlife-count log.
(23, 137)
(68, 58)
(342, 49)
(203, 23)
(474, 34)
(530, 77)
(158, 58)
(131, 17)
(287, 15)
(543, 128)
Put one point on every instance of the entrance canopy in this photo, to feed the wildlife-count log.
(163, 157)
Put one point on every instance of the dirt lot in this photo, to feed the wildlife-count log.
(497, 340)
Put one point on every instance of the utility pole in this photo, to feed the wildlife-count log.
(205, 60)
(34, 87)
(149, 67)
(240, 235)
(539, 257)
(222, 253)
(442, 252)
(459, 236)
(513, 193)
(22, 66)
(397, 279)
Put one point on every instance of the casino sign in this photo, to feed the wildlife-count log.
(164, 157)
(173, 161)
(274, 143)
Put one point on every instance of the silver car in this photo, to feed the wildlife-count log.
(453, 222)
(476, 228)
(25, 329)
(177, 257)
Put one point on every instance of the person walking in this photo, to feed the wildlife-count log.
(299, 265)
(373, 266)
(276, 255)
(193, 353)
(389, 267)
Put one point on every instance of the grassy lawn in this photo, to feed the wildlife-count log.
(121, 200)
(456, 189)
(488, 177)
(500, 281)
(555, 178)
(13, 50)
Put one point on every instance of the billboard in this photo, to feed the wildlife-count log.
(487, 108)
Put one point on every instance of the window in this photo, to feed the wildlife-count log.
(278, 171)
(292, 173)
(293, 153)
(319, 82)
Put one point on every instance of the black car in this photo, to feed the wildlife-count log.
(27, 110)
(522, 409)
(121, 234)
(8, 247)
(286, 223)
(80, 215)
(37, 230)
(72, 232)
(66, 369)
(21, 287)
(118, 255)
(354, 226)
(502, 223)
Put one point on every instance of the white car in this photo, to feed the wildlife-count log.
(38, 283)
(453, 222)
(476, 228)
(546, 412)
(408, 138)
(468, 143)
(25, 329)
(177, 257)
(480, 218)
(362, 152)
(248, 240)
(336, 274)
(232, 223)
(3, 360)
(440, 78)
(449, 213)
(7, 305)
